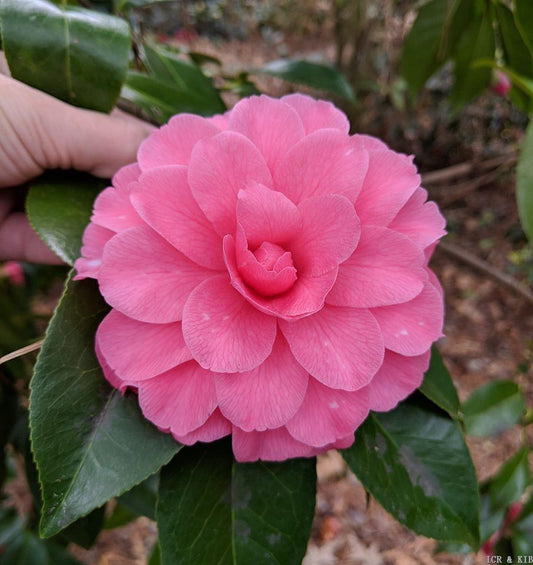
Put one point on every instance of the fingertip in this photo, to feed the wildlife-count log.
(19, 242)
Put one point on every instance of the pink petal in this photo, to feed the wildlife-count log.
(306, 296)
(410, 328)
(137, 350)
(221, 166)
(216, 427)
(223, 331)
(342, 443)
(111, 377)
(113, 210)
(273, 127)
(173, 143)
(266, 397)
(146, 278)
(324, 162)
(419, 220)
(125, 176)
(270, 445)
(180, 400)
(94, 240)
(164, 200)
(329, 234)
(220, 120)
(317, 114)
(267, 215)
(386, 268)
(328, 414)
(340, 347)
(397, 378)
(389, 183)
(368, 142)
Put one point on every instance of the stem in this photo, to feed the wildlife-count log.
(20, 352)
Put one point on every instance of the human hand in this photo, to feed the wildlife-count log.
(39, 132)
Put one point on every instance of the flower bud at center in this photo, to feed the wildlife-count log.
(271, 271)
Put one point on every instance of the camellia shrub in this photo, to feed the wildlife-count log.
(252, 292)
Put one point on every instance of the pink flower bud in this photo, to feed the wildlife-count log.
(501, 83)
(14, 272)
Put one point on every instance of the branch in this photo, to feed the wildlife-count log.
(482, 265)
(463, 169)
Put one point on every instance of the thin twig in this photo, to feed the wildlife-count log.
(482, 265)
(20, 352)
(463, 169)
(460, 190)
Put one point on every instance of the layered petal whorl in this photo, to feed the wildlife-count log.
(268, 278)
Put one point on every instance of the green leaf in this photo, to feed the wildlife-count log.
(90, 443)
(320, 77)
(515, 49)
(415, 463)
(493, 408)
(522, 530)
(155, 557)
(524, 21)
(516, 52)
(524, 183)
(28, 549)
(431, 39)
(511, 481)
(173, 86)
(491, 516)
(77, 55)
(141, 499)
(59, 207)
(214, 510)
(476, 42)
(438, 385)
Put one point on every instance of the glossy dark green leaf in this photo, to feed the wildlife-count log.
(184, 76)
(524, 183)
(431, 39)
(415, 463)
(511, 480)
(476, 42)
(493, 408)
(214, 510)
(173, 86)
(59, 207)
(77, 55)
(320, 77)
(438, 385)
(90, 443)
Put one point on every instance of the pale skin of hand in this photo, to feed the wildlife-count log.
(39, 132)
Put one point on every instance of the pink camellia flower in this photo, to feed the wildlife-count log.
(268, 278)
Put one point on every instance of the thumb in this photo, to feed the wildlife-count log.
(45, 133)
